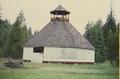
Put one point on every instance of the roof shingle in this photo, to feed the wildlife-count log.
(59, 34)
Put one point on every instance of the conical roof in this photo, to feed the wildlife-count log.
(60, 11)
(59, 34)
(60, 8)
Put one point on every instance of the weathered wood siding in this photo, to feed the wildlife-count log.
(69, 55)
(28, 54)
(60, 55)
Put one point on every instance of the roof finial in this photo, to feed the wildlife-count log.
(60, 2)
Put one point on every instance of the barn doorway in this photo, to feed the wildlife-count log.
(38, 53)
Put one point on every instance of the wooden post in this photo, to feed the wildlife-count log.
(68, 17)
(62, 17)
(65, 17)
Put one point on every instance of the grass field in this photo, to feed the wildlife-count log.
(61, 71)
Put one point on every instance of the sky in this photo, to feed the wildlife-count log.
(37, 12)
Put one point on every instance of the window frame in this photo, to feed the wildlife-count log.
(38, 49)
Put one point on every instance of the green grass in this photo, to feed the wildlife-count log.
(61, 71)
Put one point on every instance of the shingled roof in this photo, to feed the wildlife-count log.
(59, 34)
(60, 8)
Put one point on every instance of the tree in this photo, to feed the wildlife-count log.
(35, 32)
(26, 34)
(30, 32)
(117, 43)
(110, 32)
(4, 27)
(15, 37)
(95, 35)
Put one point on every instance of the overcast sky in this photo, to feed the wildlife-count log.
(37, 14)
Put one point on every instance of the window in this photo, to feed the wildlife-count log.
(38, 49)
(27, 60)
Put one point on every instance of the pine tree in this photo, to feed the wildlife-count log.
(30, 32)
(4, 27)
(111, 36)
(15, 37)
(95, 35)
(26, 34)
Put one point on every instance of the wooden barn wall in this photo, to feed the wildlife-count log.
(68, 54)
(28, 54)
(59, 55)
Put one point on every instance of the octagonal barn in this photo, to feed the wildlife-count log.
(59, 42)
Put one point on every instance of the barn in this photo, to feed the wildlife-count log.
(59, 42)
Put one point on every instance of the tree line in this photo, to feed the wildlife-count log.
(105, 39)
(13, 36)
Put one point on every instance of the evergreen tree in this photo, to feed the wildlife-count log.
(26, 34)
(35, 32)
(4, 27)
(15, 37)
(95, 35)
(30, 32)
(111, 37)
